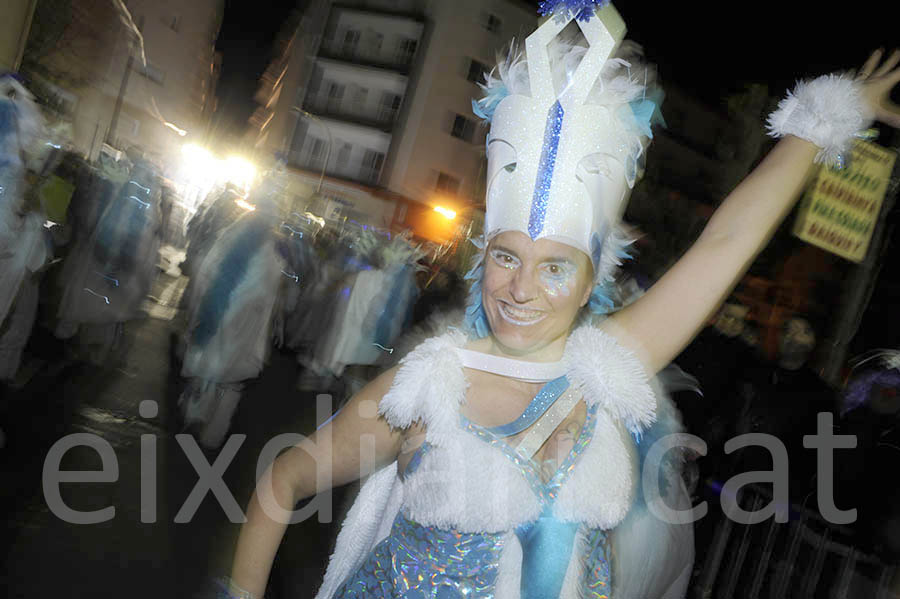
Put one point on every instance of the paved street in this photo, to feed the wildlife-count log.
(45, 556)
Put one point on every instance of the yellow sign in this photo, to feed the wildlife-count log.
(840, 207)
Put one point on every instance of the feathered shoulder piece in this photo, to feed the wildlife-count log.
(428, 388)
(611, 376)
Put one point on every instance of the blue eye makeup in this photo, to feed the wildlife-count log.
(557, 278)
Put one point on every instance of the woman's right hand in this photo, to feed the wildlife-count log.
(878, 79)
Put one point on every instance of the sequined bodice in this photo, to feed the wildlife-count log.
(418, 561)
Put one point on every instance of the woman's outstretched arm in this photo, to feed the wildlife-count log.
(660, 324)
(307, 469)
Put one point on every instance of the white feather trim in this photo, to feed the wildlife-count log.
(611, 376)
(471, 487)
(600, 489)
(827, 111)
(429, 387)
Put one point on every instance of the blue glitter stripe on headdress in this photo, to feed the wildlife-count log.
(582, 9)
(541, 196)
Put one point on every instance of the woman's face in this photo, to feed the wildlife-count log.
(533, 291)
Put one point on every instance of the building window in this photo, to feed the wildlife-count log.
(491, 23)
(390, 106)
(371, 166)
(335, 96)
(316, 158)
(446, 184)
(406, 49)
(351, 40)
(152, 72)
(463, 128)
(476, 71)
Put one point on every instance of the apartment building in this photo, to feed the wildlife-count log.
(379, 95)
(155, 92)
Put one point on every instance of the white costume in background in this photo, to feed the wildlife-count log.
(24, 246)
(232, 303)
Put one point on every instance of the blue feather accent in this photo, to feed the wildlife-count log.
(600, 302)
(232, 271)
(583, 10)
(475, 319)
(646, 112)
(485, 107)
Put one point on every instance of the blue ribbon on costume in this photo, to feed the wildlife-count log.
(539, 404)
(546, 550)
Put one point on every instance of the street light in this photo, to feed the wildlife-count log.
(239, 171)
(445, 212)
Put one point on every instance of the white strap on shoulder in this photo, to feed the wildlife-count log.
(531, 372)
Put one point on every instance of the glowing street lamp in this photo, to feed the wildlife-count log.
(445, 212)
(245, 204)
(239, 171)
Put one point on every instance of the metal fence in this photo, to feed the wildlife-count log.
(805, 557)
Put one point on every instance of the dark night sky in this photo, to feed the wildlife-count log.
(245, 40)
(709, 47)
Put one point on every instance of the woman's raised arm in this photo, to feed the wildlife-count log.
(331, 457)
(660, 324)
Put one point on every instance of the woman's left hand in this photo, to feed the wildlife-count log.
(878, 79)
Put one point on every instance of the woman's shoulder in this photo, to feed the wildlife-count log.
(427, 386)
(611, 375)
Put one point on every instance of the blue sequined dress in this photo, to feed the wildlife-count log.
(419, 562)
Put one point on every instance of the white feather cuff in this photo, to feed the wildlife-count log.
(827, 111)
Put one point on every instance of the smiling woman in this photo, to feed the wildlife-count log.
(504, 459)
(532, 292)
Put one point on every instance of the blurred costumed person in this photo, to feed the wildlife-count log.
(218, 210)
(374, 306)
(109, 276)
(296, 247)
(231, 311)
(507, 462)
(24, 247)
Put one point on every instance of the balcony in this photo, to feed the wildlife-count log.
(409, 9)
(356, 172)
(400, 62)
(334, 108)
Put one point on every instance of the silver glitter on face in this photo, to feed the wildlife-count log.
(558, 278)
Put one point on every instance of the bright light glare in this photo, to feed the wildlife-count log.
(176, 129)
(239, 171)
(445, 212)
(200, 163)
(316, 219)
(245, 204)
